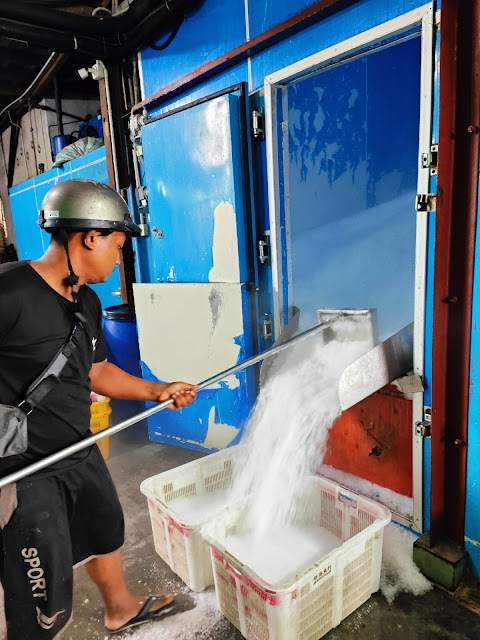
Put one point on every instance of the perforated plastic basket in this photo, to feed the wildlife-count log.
(318, 599)
(177, 540)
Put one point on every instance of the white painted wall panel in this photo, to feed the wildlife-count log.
(187, 331)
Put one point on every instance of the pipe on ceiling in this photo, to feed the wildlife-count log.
(137, 13)
(50, 38)
(150, 27)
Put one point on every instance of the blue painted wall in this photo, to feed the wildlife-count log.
(217, 27)
(26, 199)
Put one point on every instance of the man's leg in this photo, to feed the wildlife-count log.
(120, 605)
(36, 563)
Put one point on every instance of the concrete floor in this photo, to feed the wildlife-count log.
(437, 615)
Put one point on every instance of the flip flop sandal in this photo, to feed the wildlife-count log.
(146, 615)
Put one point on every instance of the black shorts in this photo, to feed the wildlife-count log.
(61, 520)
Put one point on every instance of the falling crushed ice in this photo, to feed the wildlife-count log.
(286, 434)
(288, 429)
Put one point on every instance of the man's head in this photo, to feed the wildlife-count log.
(91, 221)
(94, 253)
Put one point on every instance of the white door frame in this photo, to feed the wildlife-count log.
(423, 18)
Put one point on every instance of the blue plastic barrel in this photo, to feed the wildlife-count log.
(120, 331)
(59, 142)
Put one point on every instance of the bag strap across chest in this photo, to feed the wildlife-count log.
(50, 376)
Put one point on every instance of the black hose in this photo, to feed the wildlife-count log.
(169, 40)
(58, 105)
(89, 25)
(45, 107)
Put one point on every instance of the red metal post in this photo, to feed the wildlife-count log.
(454, 255)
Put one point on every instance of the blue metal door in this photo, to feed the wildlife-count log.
(193, 305)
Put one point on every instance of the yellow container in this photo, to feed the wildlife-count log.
(99, 422)
(102, 406)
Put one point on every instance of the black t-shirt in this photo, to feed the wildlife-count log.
(35, 321)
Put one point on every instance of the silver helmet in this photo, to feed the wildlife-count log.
(83, 205)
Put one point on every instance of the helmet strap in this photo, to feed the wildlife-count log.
(72, 279)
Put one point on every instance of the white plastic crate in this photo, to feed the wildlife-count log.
(321, 597)
(177, 540)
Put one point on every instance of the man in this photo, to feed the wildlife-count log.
(67, 513)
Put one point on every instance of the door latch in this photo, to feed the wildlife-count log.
(423, 429)
(266, 327)
(263, 250)
(426, 202)
(257, 124)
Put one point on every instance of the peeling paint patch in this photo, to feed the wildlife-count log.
(476, 543)
(232, 382)
(219, 436)
(226, 265)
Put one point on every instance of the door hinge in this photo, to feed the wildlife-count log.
(136, 123)
(266, 327)
(430, 160)
(141, 196)
(264, 250)
(426, 202)
(257, 124)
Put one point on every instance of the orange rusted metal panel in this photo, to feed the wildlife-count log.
(373, 440)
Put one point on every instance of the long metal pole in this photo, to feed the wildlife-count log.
(87, 442)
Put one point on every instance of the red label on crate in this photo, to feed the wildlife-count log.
(271, 598)
(183, 530)
(256, 588)
(216, 554)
